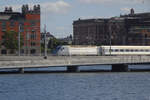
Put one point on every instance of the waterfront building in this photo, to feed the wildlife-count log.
(90, 31)
(48, 37)
(66, 40)
(29, 22)
(131, 29)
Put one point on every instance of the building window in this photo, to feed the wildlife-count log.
(33, 51)
(3, 26)
(12, 52)
(3, 51)
(33, 36)
(12, 23)
(21, 24)
(2, 43)
(22, 51)
(2, 37)
(33, 23)
(146, 35)
(33, 43)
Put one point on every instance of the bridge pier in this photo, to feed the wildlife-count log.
(120, 68)
(72, 69)
(21, 70)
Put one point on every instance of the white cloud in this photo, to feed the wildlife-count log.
(125, 10)
(90, 17)
(61, 28)
(63, 31)
(14, 7)
(113, 1)
(58, 7)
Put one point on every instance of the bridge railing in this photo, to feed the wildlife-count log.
(132, 59)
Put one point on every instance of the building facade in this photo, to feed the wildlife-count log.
(48, 37)
(131, 29)
(90, 31)
(27, 23)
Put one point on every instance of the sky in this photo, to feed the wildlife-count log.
(58, 15)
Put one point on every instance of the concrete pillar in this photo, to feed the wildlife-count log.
(72, 69)
(21, 70)
(120, 68)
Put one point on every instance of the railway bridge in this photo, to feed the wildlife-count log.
(119, 63)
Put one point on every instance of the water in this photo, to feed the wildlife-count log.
(76, 86)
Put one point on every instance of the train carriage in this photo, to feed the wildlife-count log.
(125, 50)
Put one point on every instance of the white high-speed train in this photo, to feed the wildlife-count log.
(77, 50)
(102, 50)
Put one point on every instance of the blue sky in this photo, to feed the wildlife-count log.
(58, 15)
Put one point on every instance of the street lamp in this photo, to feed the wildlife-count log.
(27, 43)
(45, 43)
(110, 40)
(19, 39)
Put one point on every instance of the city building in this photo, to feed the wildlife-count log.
(66, 40)
(131, 29)
(29, 22)
(137, 27)
(48, 37)
(90, 31)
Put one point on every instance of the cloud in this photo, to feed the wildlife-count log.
(58, 7)
(63, 31)
(61, 28)
(126, 10)
(91, 17)
(113, 1)
(14, 7)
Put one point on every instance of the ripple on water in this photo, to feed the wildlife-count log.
(76, 86)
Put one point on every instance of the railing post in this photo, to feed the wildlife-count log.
(21, 70)
(120, 68)
(72, 69)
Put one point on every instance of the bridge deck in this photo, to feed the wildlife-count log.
(56, 61)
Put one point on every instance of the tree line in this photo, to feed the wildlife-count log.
(10, 42)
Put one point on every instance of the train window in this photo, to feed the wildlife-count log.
(116, 50)
(146, 50)
(121, 50)
(141, 50)
(136, 50)
(127, 50)
(132, 50)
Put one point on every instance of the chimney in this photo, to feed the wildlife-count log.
(8, 9)
(132, 11)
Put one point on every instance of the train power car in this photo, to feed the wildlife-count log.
(125, 50)
(78, 50)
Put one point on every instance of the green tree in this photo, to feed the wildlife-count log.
(53, 43)
(42, 47)
(11, 40)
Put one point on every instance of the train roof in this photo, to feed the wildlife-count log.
(134, 47)
(78, 46)
(123, 46)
